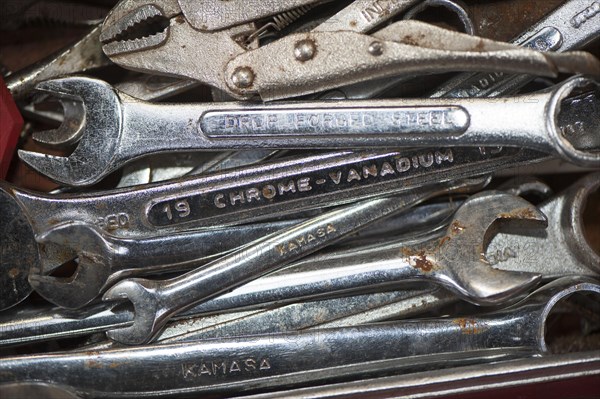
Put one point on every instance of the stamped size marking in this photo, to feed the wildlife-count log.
(501, 256)
(587, 14)
(213, 368)
(347, 121)
(113, 222)
(306, 239)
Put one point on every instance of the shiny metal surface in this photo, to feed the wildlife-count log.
(156, 301)
(343, 124)
(206, 201)
(181, 368)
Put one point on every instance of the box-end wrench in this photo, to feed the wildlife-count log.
(114, 121)
(233, 197)
(255, 361)
(156, 301)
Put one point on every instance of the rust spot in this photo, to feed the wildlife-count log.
(411, 41)
(13, 273)
(520, 213)
(423, 264)
(469, 326)
(456, 227)
(114, 365)
(180, 19)
(353, 23)
(480, 46)
(444, 240)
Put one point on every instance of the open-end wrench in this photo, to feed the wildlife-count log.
(570, 26)
(114, 121)
(233, 197)
(562, 248)
(454, 261)
(104, 259)
(257, 361)
(23, 326)
(343, 311)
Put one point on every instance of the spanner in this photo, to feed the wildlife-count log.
(233, 197)
(561, 249)
(255, 362)
(104, 259)
(570, 26)
(155, 302)
(22, 326)
(25, 325)
(114, 121)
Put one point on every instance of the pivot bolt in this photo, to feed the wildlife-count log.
(243, 77)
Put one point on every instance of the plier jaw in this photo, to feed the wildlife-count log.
(135, 25)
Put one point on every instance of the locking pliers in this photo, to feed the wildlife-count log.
(168, 37)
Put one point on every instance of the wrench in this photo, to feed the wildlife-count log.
(344, 311)
(26, 325)
(155, 302)
(232, 197)
(182, 368)
(563, 29)
(22, 327)
(562, 248)
(345, 124)
(103, 259)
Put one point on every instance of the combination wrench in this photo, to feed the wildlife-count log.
(156, 301)
(256, 362)
(112, 131)
(232, 197)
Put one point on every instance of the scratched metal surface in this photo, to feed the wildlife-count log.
(495, 19)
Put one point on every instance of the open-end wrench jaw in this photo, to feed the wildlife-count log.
(100, 127)
(92, 271)
(458, 260)
(149, 312)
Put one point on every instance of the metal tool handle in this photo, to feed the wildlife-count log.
(272, 189)
(257, 361)
(155, 302)
(359, 124)
(569, 27)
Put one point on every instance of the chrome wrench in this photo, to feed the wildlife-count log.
(102, 259)
(156, 301)
(232, 197)
(260, 359)
(344, 124)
